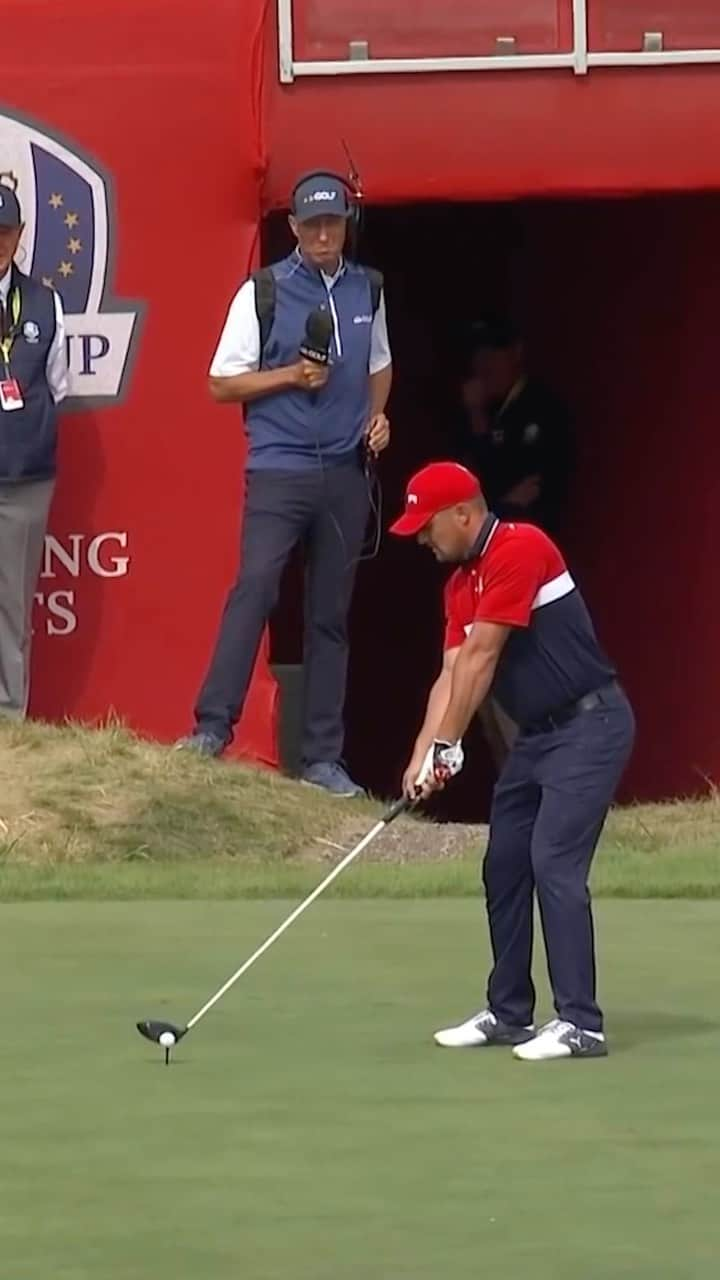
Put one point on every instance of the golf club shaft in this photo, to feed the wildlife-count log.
(399, 807)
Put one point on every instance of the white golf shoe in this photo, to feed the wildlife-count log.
(558, 1039)
(481, 1030)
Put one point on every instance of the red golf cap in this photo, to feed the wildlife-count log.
(440, 485)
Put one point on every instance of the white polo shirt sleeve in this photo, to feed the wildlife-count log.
(56, 365)
(238, 350)
(380, 354)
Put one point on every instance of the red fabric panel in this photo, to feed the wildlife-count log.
(495, 134)
(174, 120)
(323, 31)
(620, 24)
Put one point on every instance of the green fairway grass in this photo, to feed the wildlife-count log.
(309, 1130)
(683, 872)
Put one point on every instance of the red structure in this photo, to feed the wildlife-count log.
(558, 156)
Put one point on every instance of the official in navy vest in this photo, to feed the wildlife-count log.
(310, 427)
(517, 625)
(33, 381)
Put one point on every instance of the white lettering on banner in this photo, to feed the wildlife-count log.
(77, 556)
(62, 620)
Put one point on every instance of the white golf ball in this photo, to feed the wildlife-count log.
(167, 1039)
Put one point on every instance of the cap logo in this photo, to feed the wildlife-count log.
(2, 202)
(411, 500)
(320, 195)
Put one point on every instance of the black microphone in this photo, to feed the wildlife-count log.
(315, 345)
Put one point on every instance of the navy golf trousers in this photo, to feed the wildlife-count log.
(548, 810)
(327, 510)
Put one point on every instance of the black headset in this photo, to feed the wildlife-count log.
(353, 189)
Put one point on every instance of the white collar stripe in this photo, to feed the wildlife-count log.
(553, 590)
(478, 555)
(491, 535)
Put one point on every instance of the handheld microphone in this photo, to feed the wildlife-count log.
(315, 345)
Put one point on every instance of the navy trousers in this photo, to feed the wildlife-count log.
(548, 810)
(327, 509)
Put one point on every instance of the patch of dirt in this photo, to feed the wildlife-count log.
(406, 840)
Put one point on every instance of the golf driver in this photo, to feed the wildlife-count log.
(168, 1035)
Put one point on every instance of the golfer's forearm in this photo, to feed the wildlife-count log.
(471, 679)
(380, 384)
(251, 386)
(436, 708)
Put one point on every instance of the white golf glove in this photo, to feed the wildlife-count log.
(442, 761)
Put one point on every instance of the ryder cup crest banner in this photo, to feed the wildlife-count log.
(68, 244)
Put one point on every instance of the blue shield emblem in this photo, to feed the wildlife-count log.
(67, 244)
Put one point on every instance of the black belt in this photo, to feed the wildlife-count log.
(556, 719)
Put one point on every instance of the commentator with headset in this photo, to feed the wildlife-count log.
(305, 350)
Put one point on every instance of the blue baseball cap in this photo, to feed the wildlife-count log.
(322, 193)
(10, 215)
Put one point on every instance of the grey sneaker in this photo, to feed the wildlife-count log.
(481, 1030)
(558, 1039)
(332, 778)
(202, 743)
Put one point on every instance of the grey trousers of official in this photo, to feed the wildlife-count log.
(24, 508)
(325, 508)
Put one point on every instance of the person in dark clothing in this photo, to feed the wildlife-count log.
(515, 432)
(312, 426)
(516, 621)
(33, 384)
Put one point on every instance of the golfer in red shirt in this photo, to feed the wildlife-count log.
(517, 625)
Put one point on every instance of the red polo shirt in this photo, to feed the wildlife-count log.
(551, 657)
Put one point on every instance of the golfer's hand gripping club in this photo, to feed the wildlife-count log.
(443, 760)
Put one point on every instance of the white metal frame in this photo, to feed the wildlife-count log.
(665, 58)
(579, 59)
(580, 37)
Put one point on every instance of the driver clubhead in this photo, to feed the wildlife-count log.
(153, 1030)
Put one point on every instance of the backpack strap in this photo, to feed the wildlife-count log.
(265, 290)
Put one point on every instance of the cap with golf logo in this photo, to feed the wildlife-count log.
(437, 486)
(321, 193)
(10, 215)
